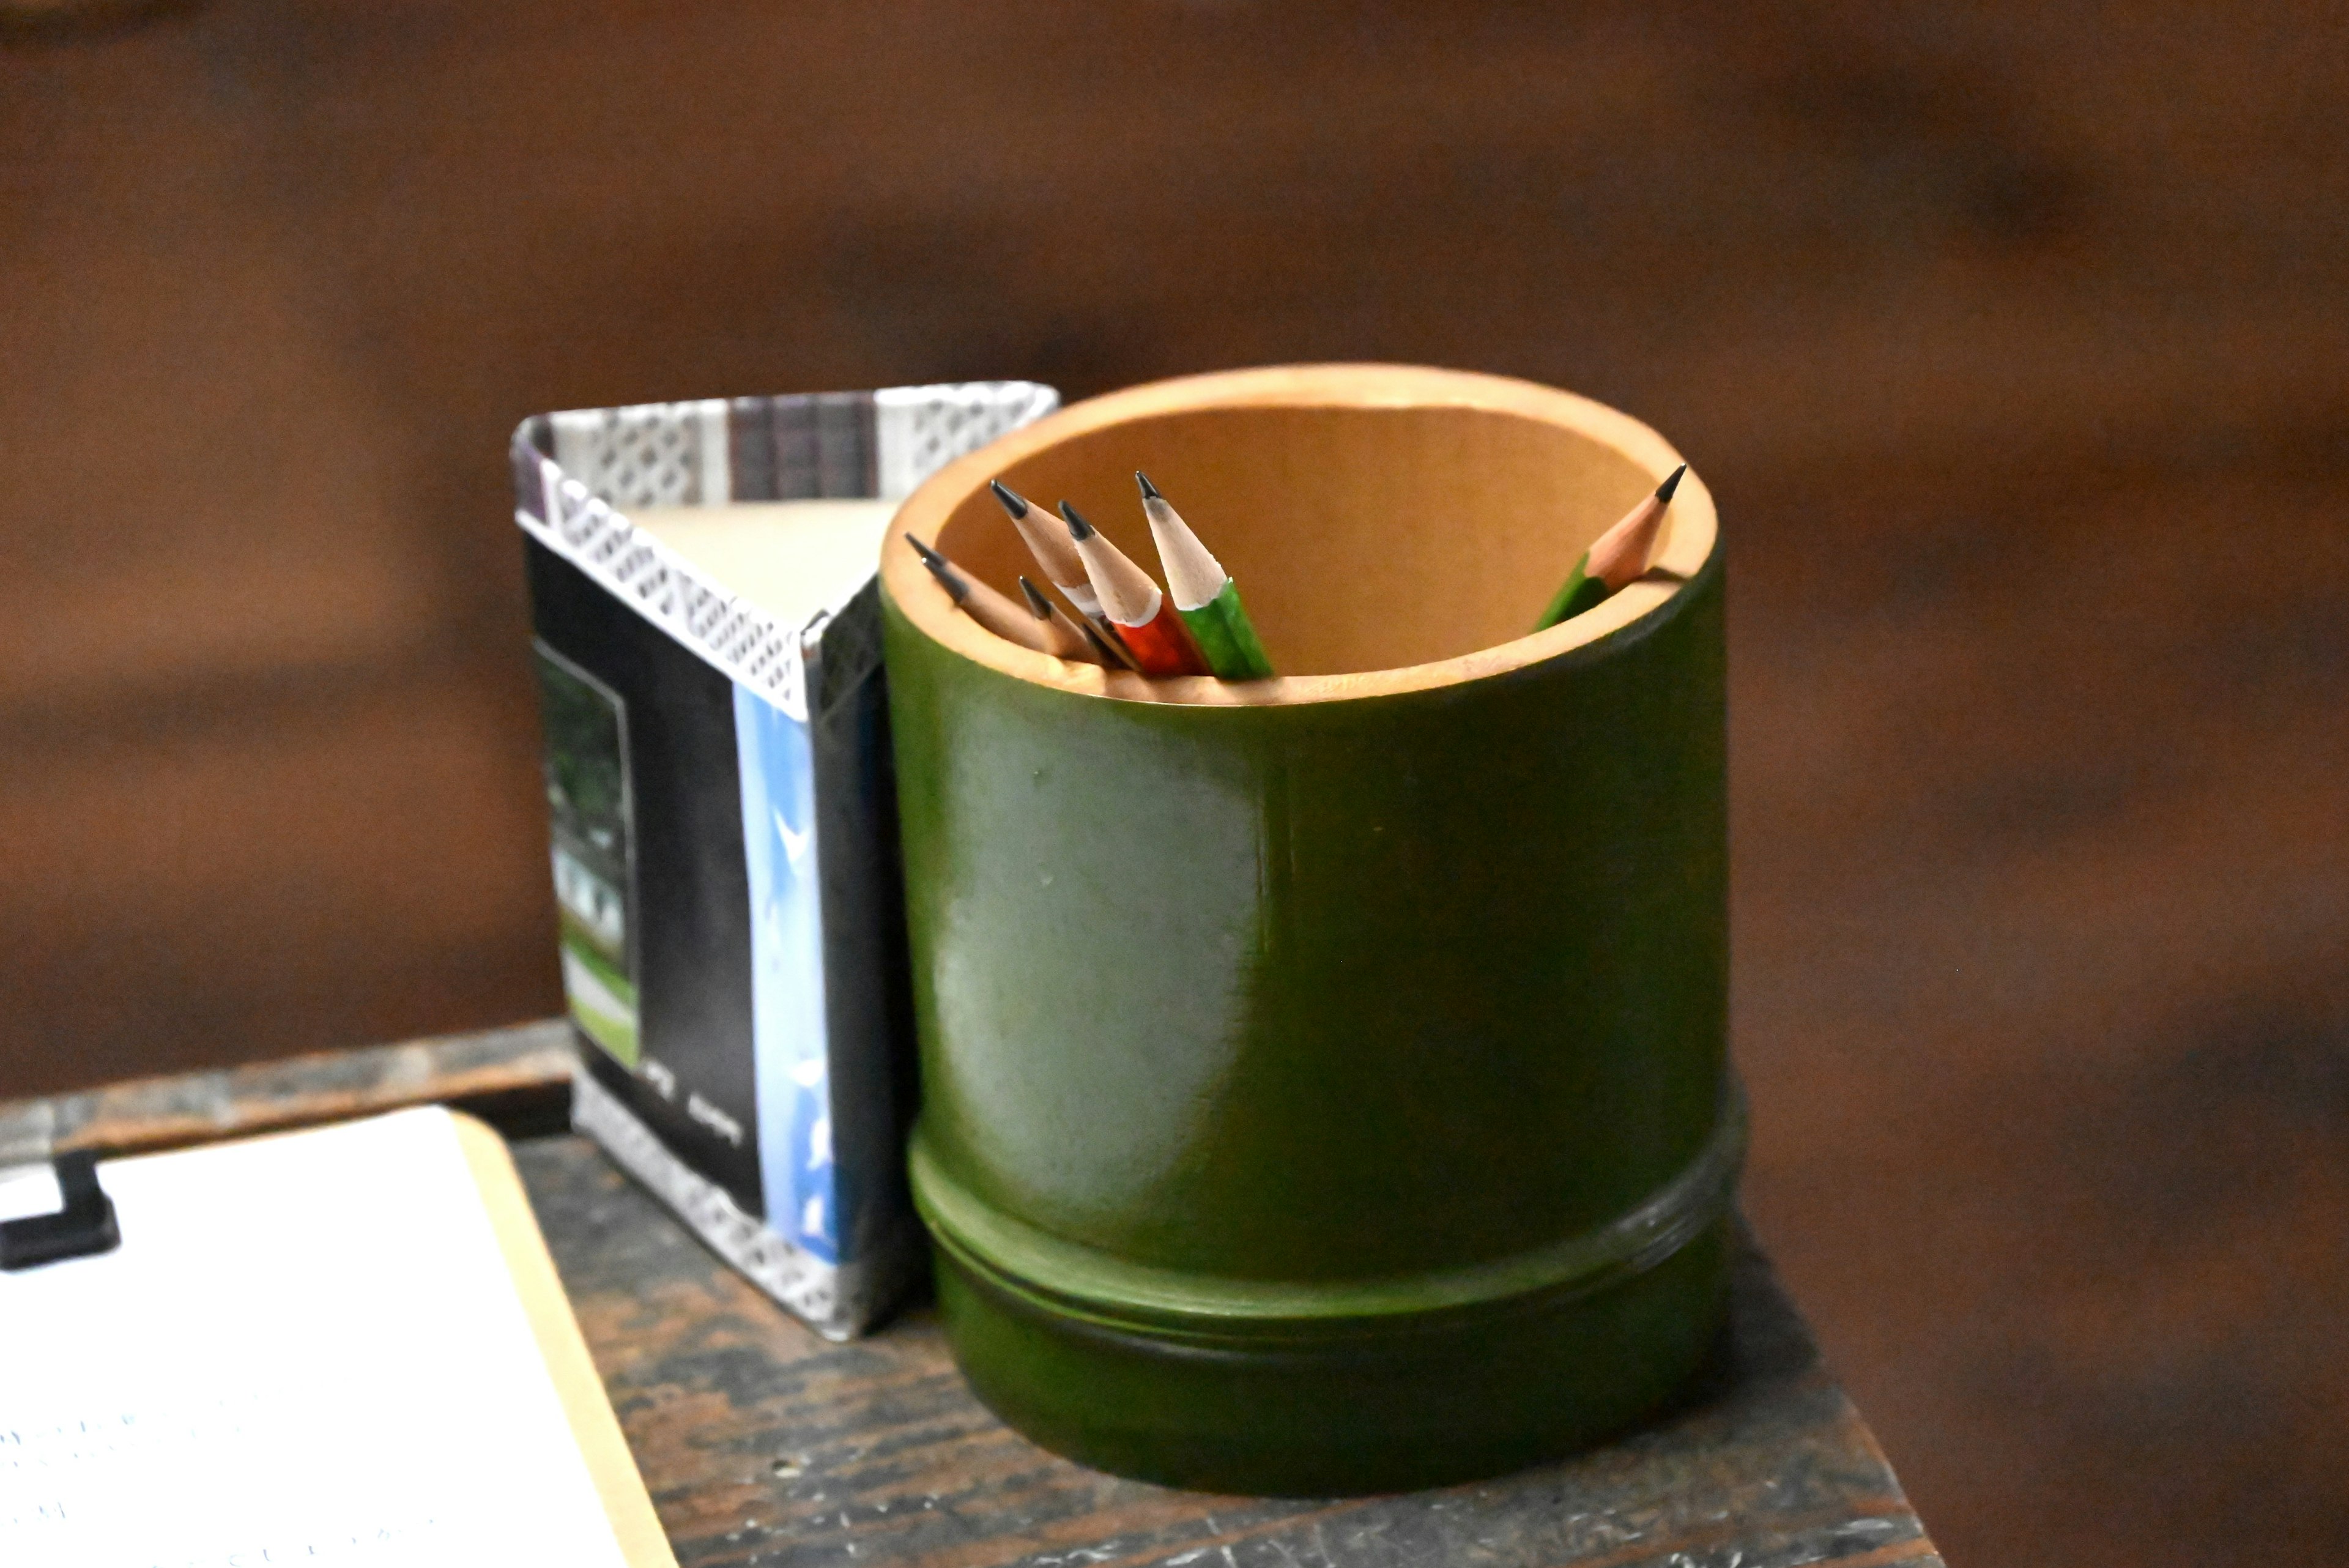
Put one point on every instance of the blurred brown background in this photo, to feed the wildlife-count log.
(2011, 340)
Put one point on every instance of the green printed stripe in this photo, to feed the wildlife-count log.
(1580, 593)
(1225, 638)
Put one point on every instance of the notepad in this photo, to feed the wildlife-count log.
(339, 1347)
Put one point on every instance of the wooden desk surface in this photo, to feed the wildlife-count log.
(761, 1443)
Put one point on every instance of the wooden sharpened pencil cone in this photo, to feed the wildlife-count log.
(1203, 592)
(1061, 636)
(1145, 619)
(1106, 643)
(1616, 559)
(1056, 554)
(990, 608)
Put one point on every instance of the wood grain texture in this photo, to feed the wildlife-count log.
(2040, 897)
(517, 1079)
(761, 1443)
(2039, 879)
(298, 270)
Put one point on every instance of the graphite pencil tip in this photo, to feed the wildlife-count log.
(1149, 490)
(957, 589)
(1077, 527)
(1037, 602)
(1672, 482)
(942, 569)
(1013, 502)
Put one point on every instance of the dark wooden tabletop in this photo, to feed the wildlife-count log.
(762, 1443)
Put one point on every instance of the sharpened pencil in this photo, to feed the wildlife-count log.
(1113, 649)
(990, 608)
(1618, 558)
(1056, 554)
(1111, 652)
(1145, 619)
(1204, 595)
(1060, 634)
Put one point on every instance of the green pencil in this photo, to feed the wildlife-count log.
(1203, 592)
(1620, 556)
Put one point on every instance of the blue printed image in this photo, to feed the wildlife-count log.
(787, 1006)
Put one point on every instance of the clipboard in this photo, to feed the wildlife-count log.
(309, 1346)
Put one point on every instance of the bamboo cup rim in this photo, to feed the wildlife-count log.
(957, 496)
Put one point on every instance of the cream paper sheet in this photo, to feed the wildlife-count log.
(308, 1350)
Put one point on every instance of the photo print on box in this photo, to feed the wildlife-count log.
(593, 848)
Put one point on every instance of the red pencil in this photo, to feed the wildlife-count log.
(1145, 616)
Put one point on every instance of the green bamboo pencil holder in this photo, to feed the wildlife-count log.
(1323, 1079)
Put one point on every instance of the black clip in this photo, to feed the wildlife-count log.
(84, 1226)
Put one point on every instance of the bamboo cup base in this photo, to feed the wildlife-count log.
(1432, 1407)
(1298, 1390)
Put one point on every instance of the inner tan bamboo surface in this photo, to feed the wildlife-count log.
(1391, 527)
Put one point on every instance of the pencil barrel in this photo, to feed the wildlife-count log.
(1579, 592)
(1101, 632)
(1161, 646)
(1226, 638)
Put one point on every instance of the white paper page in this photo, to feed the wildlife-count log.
(791, 558)
(306, 1350)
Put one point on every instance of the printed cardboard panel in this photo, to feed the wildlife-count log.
(722, 827)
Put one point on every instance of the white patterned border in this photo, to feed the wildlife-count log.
(919, 430)
(839, 1301)
(678, 454)
(650, 454)
(745, 644)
